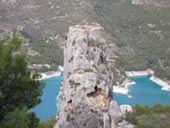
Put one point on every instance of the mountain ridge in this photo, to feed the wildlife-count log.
(140, 33)
(157, 3)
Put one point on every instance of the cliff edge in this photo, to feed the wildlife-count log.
(85, 97)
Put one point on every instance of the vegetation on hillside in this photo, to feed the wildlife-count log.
(141, 34)
(48, 124)
(156, 116)
(45, 24)
(19, 89)
(48, 53)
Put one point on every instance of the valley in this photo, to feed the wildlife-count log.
(138, 35)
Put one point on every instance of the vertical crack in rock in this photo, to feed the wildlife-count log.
(85, 97)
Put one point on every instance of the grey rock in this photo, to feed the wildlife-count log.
(85, 97)
(115, 112)
(106, 121)
(125, 124)
(126, 109)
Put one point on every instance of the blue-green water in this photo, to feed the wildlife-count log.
(143, 92)
(47, 108)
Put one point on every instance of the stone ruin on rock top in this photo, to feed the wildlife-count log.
(85, 97)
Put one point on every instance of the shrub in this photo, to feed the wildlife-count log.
(88, 70)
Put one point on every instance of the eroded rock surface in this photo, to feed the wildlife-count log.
(85, 97)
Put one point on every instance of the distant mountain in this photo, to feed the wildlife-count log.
(45, 18)
(158, 3)
(141, 33)
(44, 23)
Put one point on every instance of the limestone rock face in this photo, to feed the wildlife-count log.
(85, 97)
(9, 2)
(126, 109)
(158, 3)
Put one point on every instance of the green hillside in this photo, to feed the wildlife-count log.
(141, 34)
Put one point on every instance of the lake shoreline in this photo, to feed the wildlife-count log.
(124, 87)
(49, 74)
(164, 85)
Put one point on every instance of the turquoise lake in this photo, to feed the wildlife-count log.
(144, 92)
(47, 108)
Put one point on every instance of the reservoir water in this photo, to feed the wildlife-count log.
(144, 92)
(47, 107)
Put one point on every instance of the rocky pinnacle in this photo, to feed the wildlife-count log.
(85, 97)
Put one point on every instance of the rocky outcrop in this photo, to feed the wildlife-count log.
(125, 109)
(158, 3)
(85, 97)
